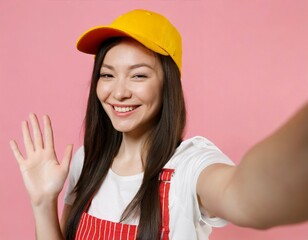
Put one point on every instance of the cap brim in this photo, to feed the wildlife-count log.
(91, 40)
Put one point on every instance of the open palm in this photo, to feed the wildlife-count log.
(42, 173)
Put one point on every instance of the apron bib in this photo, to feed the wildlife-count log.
(93, 228)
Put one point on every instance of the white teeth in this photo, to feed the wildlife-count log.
(123, 109)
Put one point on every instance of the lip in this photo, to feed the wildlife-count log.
(123, 114)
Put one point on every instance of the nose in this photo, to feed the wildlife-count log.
(121, 90)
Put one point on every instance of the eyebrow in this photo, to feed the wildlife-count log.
(130, 67)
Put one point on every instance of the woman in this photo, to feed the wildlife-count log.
(135, 178)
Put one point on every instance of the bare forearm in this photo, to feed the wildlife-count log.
(272, 178)
(47, 221)
(43, 175)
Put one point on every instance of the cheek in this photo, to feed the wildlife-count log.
(102, 91)
(153, 95)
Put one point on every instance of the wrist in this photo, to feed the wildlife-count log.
(45, 201)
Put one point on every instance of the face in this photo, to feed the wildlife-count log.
(130, 87)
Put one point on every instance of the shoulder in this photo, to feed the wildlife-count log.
(198, 150)
(74, 174)
(198, 142)
(191, 158)
(79, 156)
(77, 162)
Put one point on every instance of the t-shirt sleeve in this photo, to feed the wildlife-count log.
(189, 161)
(74, 174)
(208, 154)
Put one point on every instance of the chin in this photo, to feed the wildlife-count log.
(123, 129)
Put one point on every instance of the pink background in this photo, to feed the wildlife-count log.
(245, 71)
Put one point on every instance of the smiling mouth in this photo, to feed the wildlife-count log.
(124, 109)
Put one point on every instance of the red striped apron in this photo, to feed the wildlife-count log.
(92, 228)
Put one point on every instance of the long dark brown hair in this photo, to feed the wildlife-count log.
(102, 142)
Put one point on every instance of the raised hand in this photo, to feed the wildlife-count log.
(42, 173)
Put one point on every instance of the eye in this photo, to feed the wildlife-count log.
(105, 76)
(140, 76)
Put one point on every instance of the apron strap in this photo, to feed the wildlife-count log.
(164, 187)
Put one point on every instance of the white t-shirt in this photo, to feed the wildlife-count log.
(186, 220)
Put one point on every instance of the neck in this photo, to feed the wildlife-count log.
(131, 155)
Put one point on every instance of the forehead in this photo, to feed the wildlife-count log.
(129, 50)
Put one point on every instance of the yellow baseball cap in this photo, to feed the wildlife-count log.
(151, 29)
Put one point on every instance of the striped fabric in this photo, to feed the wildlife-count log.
(165, 177)
(92, 228)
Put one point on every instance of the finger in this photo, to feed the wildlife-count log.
(27, 138)
(37, 133)
(48, 133)
(67, 157)
(16, 152)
